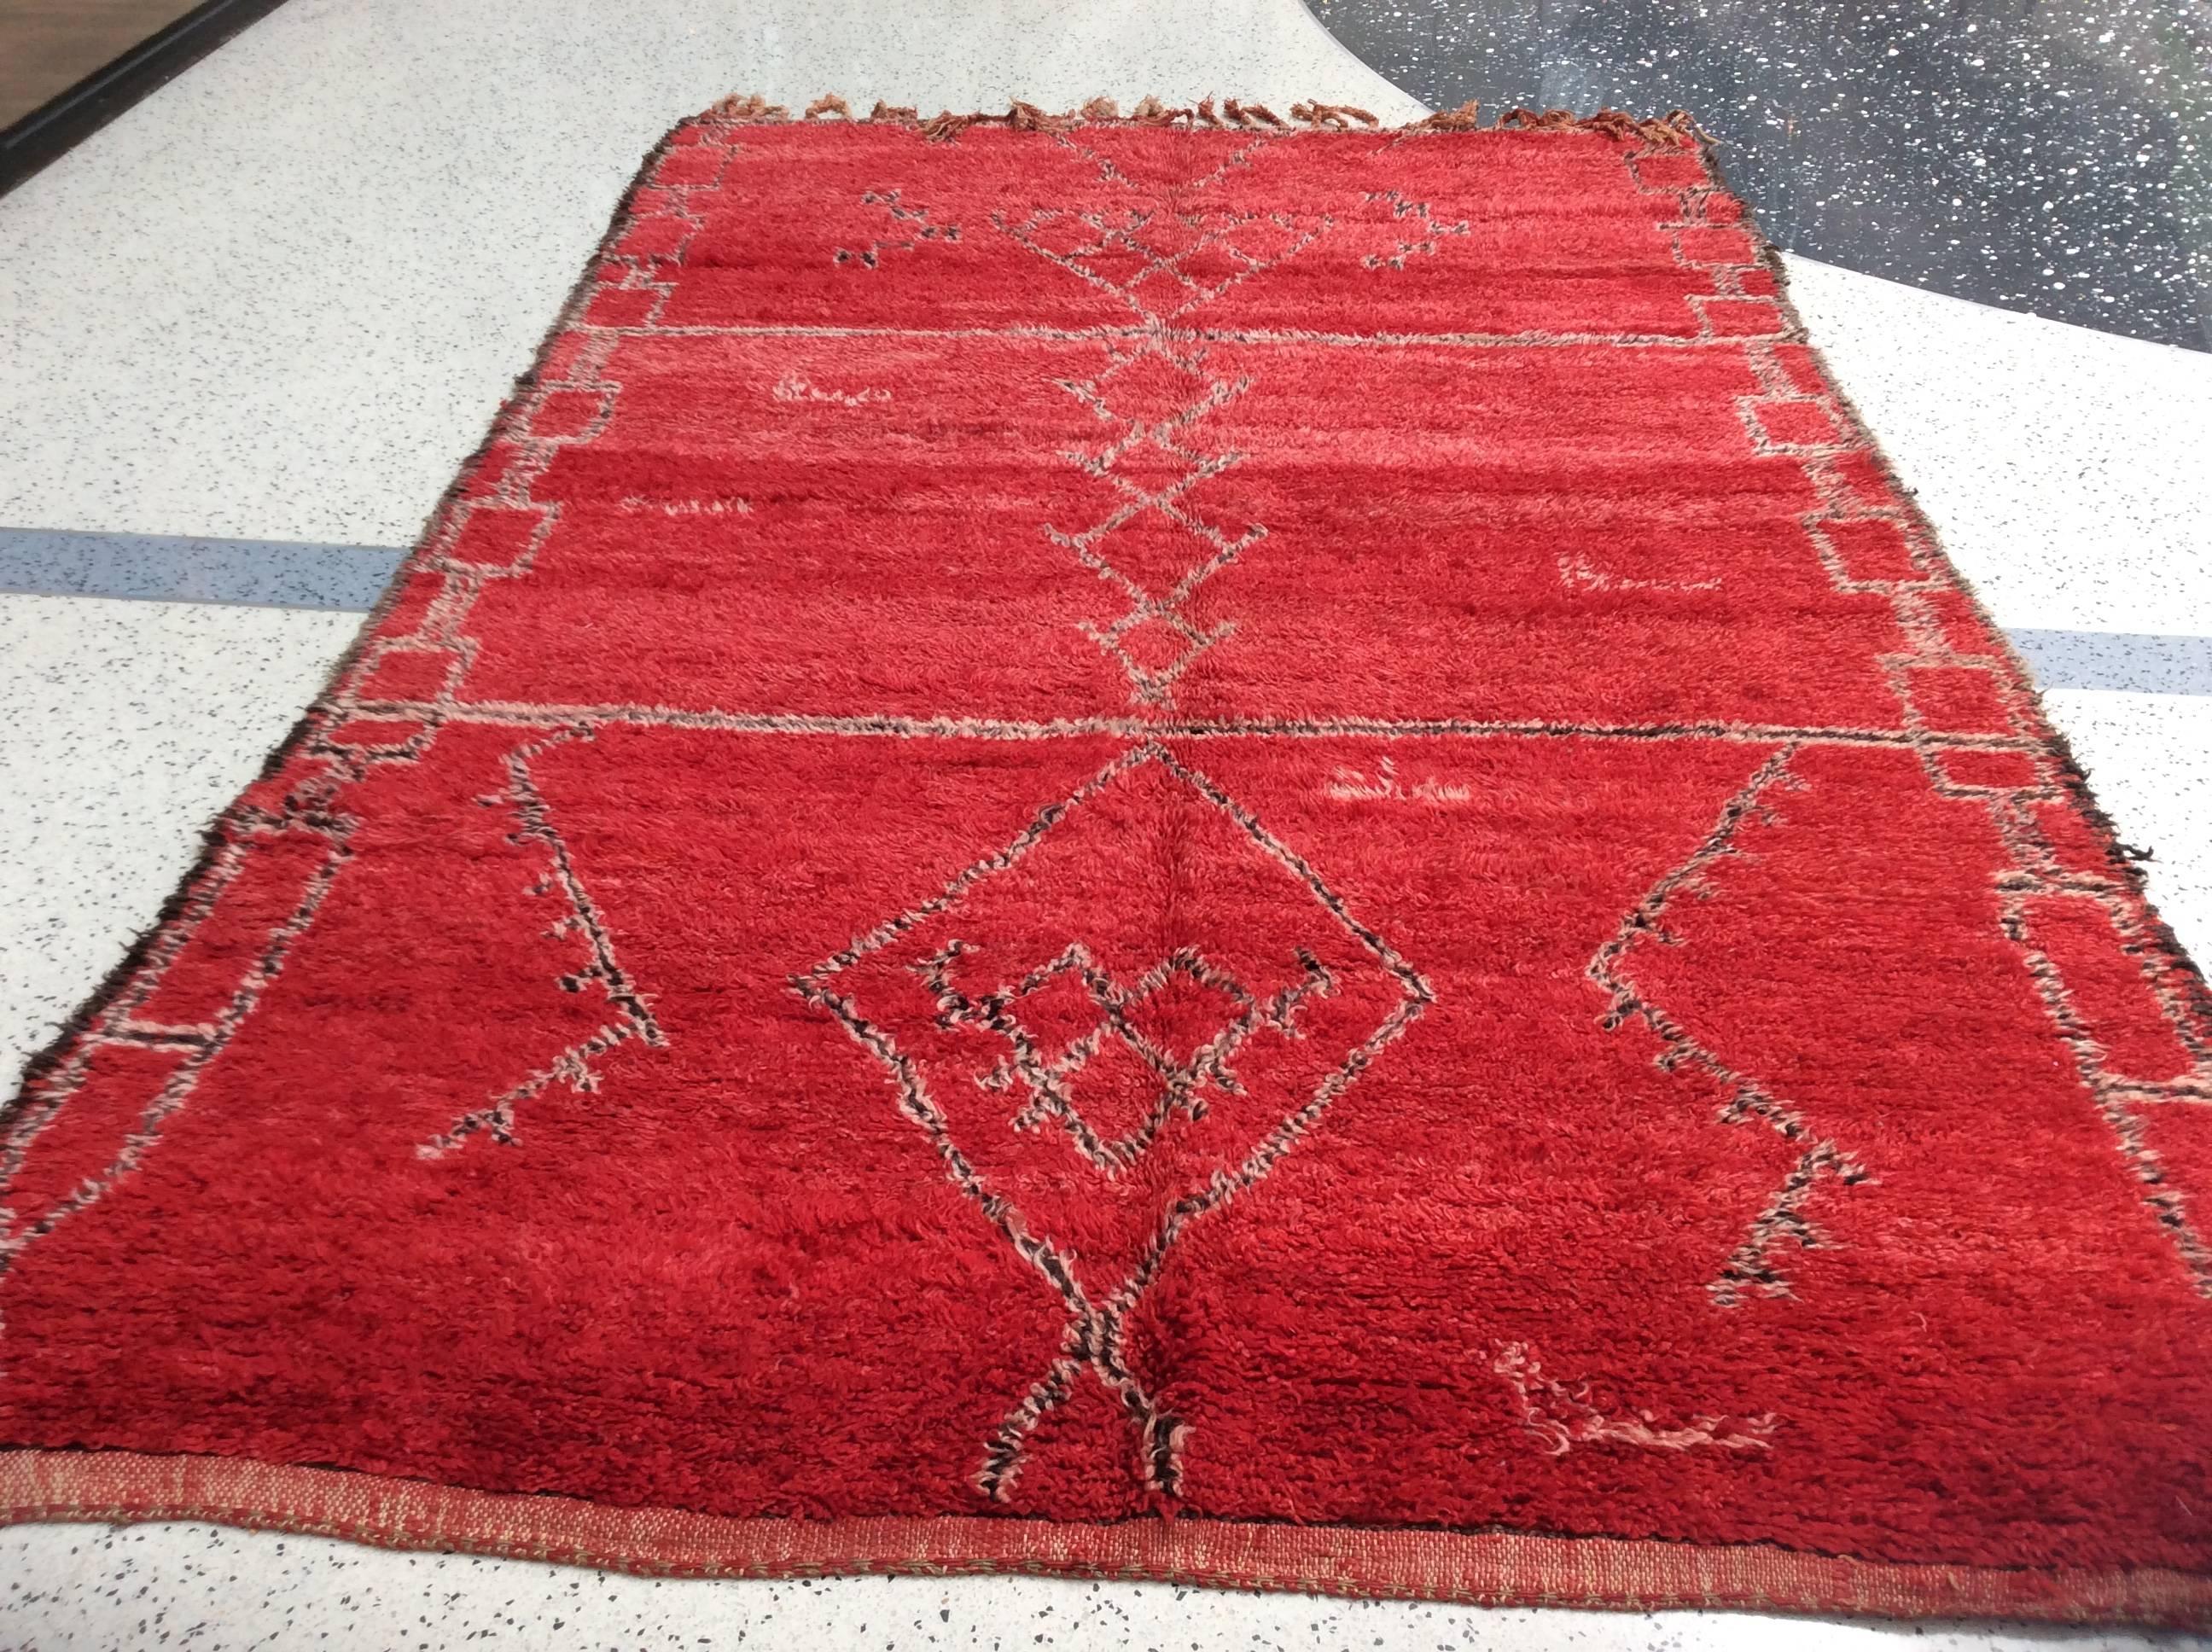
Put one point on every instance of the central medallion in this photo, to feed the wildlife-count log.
(1097, 1098)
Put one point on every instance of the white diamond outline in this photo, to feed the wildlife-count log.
(1094, 1337)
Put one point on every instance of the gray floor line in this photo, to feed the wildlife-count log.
(288, 574)
(166, 567)
(2134, 662)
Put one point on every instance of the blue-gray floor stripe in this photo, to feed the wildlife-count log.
(2134, 662)
(166, 567)
(286, 574)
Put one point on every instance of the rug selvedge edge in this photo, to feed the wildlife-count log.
(2126, 862)
(2182, 973)
(322, 710)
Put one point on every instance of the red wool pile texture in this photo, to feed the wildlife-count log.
(1259, 856)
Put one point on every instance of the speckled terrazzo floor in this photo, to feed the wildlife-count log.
(150, 394)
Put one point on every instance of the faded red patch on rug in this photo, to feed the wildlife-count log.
(1089, 825)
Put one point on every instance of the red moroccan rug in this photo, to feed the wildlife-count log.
(1170, 848)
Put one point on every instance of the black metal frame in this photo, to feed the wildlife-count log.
(62, 123)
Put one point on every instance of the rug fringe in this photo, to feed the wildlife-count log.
(1676, 127)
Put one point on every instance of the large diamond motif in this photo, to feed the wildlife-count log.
(1109, 1029)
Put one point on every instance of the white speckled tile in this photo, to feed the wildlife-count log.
(124, 728)
(2065, 469)
(280, 299)
(2134, 662)
(2149, 762)
(2065, 472)
(216, 1590)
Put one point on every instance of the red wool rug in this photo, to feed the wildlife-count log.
(1161, 848)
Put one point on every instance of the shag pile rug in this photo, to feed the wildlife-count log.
(1160, 847)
